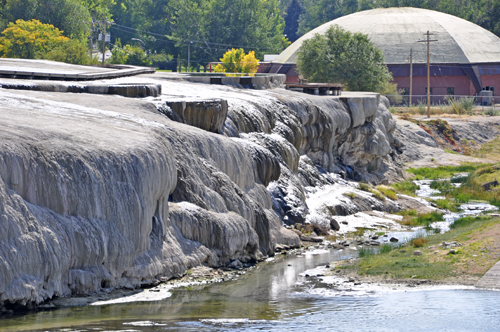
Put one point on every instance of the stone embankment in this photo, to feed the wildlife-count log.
(101, 191)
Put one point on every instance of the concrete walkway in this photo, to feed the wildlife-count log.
(491, 279)
(52, 70)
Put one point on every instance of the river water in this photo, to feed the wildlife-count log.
(283, 294)
(278, 296)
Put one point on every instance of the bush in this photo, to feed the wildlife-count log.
(162, 61)
(419, 242)
(365, 187)
(130, 55)
(387, 191)
(236, 61)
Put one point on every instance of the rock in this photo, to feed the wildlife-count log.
(344, 222)
(374, 237)
(402, 251)
(207, 114)
(436, 252)
(489, 185)
(317, 239)
(417, 253)
(351, 279)
(236, 264)
(453, 251)
(334, 225)
(393, 239)
(110, 192)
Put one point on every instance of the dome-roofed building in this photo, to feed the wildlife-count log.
(465, 59)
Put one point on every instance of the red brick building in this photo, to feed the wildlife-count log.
(465, 59)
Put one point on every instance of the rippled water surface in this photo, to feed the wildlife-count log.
(278, 296)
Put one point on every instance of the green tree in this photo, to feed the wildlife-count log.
(213, 26)
(30, 39)
(130, 55)
(318, 12)
(344, 57)
(145, 16)
(293, 12)
(35, 40)
(70, 16)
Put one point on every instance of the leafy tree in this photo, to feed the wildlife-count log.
(214, 26)
(318, 12)
(71, 16)
(344, 57)
(131, 55)
(293, 12)
(35, 40)
(236, 61)
(30, 39)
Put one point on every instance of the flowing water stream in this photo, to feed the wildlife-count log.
(287, 293)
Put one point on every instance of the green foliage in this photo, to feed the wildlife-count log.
(387, 191)
(365, 187)
(29, 39)
(162, 61)
(343, 57)
(130, 55)
(428, 218)
(215, 26)
(70, 16)
(442, 172)
(365, 252)
(466, 221)
(447, 204)
(406, 187)
(463, 105)
(390, 90)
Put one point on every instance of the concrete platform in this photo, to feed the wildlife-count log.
(491, 279)
(52, 70)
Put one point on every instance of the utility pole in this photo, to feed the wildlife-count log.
(189, 56)
(91, 41)
(428, 41)
(104, 40)
(411, 75)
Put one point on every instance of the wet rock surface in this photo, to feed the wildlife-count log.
(109, 192)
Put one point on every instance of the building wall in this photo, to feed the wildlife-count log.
(461, 86)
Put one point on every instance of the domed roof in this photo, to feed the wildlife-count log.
(397, 30)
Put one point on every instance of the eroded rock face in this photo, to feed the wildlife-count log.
(94, 198)
(109, 192)
(208, 115)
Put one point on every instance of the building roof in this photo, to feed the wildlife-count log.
(397, 30)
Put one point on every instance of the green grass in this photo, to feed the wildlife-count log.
(447, 204)
(392, 262)
(405, 187)
(423, 219)
(443, 172)
(467, 221)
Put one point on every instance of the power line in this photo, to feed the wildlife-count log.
(188, 40)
